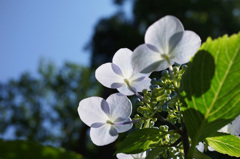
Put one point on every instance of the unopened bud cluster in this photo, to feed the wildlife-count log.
(162, 102)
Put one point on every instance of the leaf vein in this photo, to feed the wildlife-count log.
(221, 83)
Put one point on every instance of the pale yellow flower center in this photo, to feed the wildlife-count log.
(110, 122)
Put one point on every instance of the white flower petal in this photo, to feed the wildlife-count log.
(184, 46)
(164, 65)
(141, 155)
(210, 149)
(124, 89)
(225, 129)
(160, 32)
(122, 59)
(141, 82)
(93, 110)
(120, 107)
(124, 156)
(235, 127)
(137, 77)
(232, 128)
(145, 60)
(109, 75)
(103, 135)
(97, 125)
(123, 125)
(200, 147)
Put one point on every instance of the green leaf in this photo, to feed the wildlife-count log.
(154, 153)
(30, 150)
(140, 141)
(226, 144)
(199, 155)
(212, 88)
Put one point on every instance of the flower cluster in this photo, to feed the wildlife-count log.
(166, 43)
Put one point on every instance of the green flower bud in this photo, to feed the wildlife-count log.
(153, 81)
(165, 73)
(145, 91)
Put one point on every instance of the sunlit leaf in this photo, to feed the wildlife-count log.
(226, 144)
(212, 87)
(140, 141)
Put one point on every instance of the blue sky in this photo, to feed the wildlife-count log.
(55, 30)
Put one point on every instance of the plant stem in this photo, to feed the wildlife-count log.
(185, 139)
(184, 134)
(169, 124)
(176, 142)
(135, 92)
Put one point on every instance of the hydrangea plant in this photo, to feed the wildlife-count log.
(195, 100)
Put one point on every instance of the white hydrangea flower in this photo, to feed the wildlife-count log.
(120, 74)
(142, 155)
(106, 118)
(166, 42)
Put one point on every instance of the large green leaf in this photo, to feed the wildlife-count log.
(28, 150)
(154, 153)
(212, 88)
(140, 141)
(199, 155)
(226, 144)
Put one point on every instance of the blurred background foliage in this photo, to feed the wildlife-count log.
(44, 108)
(30, 150)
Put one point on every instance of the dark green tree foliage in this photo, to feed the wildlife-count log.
(110, 35)
(44, 108)
(29, 150)
(205, 17)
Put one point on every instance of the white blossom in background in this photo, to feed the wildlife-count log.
(166, 42)
(106, 118)
(231, 128)
(121, 75)
(142, 155)
(200, 147)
